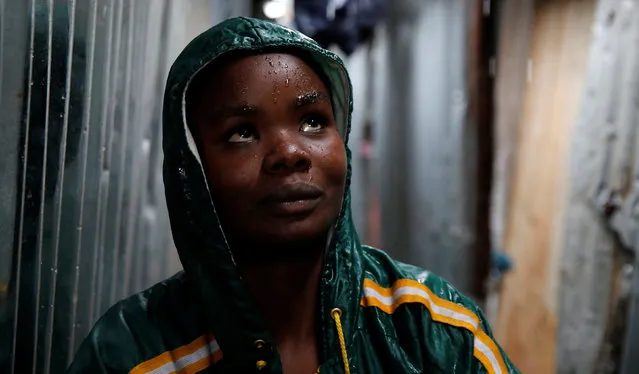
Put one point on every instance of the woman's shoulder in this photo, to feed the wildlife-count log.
(139, 328)
(383, 271)
(447, 317)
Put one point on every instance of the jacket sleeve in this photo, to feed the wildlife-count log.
(87, 359)
(110, 347)
(489, 357)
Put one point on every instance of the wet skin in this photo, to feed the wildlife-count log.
(273, 156)
(276, 167)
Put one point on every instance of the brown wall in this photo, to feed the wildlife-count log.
(527, 317)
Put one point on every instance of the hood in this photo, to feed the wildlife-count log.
(198, 235)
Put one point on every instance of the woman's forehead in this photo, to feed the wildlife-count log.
(248, 68)
(256, 80)
(244, 74)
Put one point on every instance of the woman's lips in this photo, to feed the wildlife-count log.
(293, 199)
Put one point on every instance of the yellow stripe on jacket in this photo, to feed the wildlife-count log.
(444, 311)
(187, 359)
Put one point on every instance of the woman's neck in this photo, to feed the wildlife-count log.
(286, 294)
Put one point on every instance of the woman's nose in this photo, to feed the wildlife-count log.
(286, 156)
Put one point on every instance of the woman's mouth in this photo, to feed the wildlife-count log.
(293, 199)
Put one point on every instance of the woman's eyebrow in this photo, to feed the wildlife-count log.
(310, 98)
(226, 111)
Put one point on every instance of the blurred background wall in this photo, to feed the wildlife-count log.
(495, 143)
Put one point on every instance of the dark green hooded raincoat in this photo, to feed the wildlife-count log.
(395, 318)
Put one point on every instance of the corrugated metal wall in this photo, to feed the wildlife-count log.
(82, 209)
(426, 146)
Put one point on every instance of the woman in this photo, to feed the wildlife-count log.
(256, 120)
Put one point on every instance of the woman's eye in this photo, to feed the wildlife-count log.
(312, 124)
(243, 134)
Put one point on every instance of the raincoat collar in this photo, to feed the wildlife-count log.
(204, 252)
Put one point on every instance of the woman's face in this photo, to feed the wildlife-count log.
(274, 159)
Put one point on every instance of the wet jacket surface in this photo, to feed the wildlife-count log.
(395, 318)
